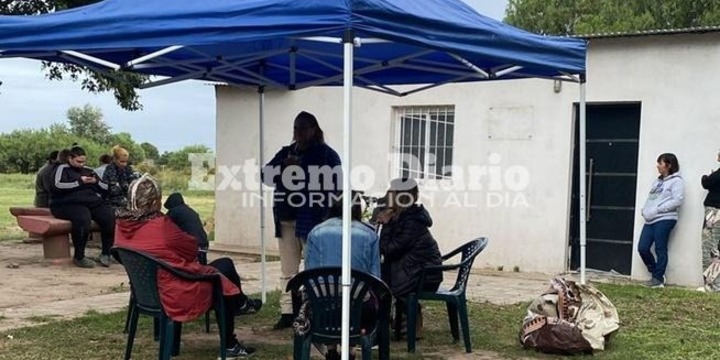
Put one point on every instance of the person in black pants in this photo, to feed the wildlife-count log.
(142, 227)
(77, 196)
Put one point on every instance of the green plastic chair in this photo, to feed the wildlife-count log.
(322, 289)
(142, 269)
(454, 298)
(202, 259)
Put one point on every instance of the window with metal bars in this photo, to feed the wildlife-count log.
(424, 141)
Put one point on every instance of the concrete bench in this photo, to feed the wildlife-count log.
(54, 232)
(30, 210)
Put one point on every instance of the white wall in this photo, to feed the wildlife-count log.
(532, 237)
(672, 76)
(675, 78)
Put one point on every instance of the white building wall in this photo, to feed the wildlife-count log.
(672, 76)
(676, 80)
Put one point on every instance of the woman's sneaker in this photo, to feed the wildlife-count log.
(655, 283)
(239, 351)
(105, 260)
(84, 263)
(251, 306)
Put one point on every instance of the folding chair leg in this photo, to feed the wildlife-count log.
(301, 348)
(452, 310)
(132, 327)
(412, 309)
(220, 316)
(462, 309)
(177, 333)
(168, 336)
(131, 308)
(367, 348)
(384, 334)
(207, 321)
(157, 331)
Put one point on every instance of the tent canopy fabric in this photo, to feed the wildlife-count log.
(266, 42)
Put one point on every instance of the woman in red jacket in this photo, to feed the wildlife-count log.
(144, 228)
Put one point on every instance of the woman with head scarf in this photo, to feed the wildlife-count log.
(142, 227)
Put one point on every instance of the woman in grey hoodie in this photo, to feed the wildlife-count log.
(661, 213)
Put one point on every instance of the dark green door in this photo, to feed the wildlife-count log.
(613, 131)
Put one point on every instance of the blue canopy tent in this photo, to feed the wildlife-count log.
(293, 44)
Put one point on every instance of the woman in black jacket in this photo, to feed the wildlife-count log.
(711, 225)
(118, 175)
(407, 246)
(77, 196)
(406, 243)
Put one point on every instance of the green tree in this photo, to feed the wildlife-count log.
(87, 122)
(26, 150)
(179, 160)
(121, 83)
(151, 151)
(571, 17)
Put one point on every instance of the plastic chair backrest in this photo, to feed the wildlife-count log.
(324, 291)
(470, 251)
(142, 270)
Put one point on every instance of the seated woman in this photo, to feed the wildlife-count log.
(406, 243)
(76, 195)
(118, 174)
(324, 242)
(324, 248)
(141, 226)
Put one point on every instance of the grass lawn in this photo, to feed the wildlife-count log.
(657, 324)
(19, 190)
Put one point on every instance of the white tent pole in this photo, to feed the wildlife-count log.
(263, 282)
(348, 43)
(581, 217)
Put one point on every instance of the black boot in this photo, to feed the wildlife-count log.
(286, 321)
(296, 303)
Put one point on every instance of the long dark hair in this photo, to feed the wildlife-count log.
(312, 120)
(670, 159)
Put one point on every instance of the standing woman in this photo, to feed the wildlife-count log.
(661, 213)
(711, 225)
(77, 196)
(299, 204)
(118, 175)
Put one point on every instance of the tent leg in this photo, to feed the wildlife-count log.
(263, 282)
(583, 178)
(348, 44)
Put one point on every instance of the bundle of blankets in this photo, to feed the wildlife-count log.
(569, 318)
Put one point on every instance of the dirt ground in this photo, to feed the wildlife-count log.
(34, 281)
(26, 281)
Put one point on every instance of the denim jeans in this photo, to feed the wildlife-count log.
(657, 233)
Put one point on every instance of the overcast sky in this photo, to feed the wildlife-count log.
(173, 116)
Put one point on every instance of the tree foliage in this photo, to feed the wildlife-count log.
(87, 122)
(151, 151)
(121, 83)
(572, 17)
(179, 160)
(26, 150)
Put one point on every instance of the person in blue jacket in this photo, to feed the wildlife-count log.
(660, 213)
